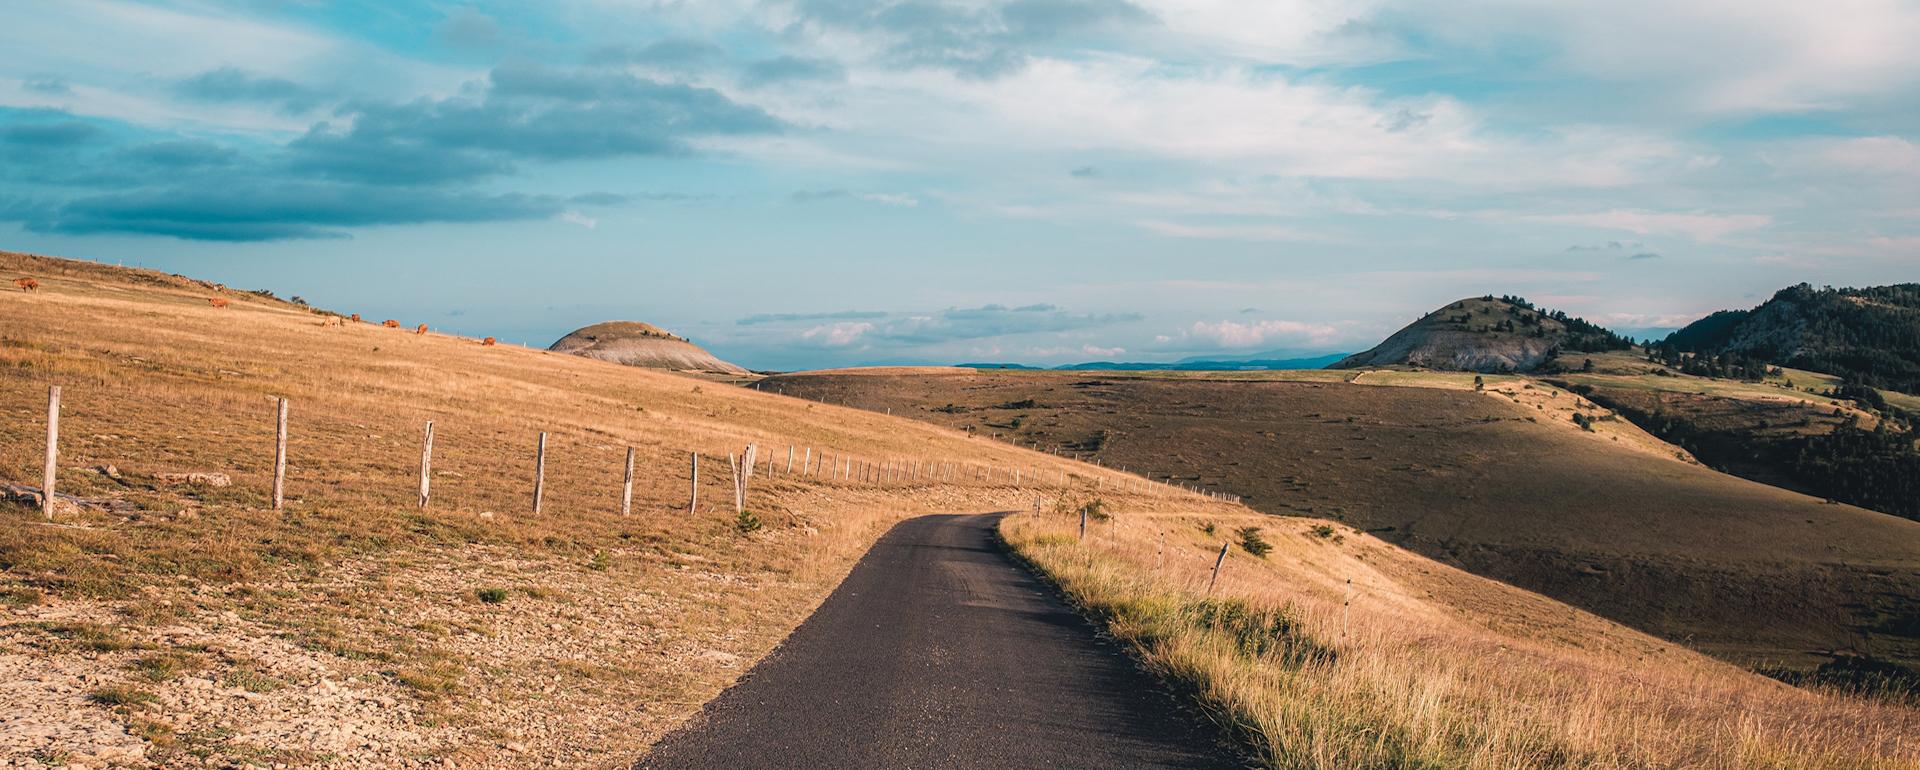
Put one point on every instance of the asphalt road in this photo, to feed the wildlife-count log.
(939, 651)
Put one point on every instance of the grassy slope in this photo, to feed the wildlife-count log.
(1338, 651)
(1500, 483)
(352, 627)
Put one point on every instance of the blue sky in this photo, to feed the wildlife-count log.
(808, 183)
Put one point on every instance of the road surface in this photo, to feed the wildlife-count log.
(939, 651)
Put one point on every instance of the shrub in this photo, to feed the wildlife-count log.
(491, 595)
(1208, 528)
(747, 522)
(1321, 531)
(115, 695)
(1253, 543)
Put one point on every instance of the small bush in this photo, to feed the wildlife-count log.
(1095, 509)
(116, 695)
(1209, 528)
(747, 522)
(1321, 531)
(600, 561)
(1271, 633)
(1253, 543)
(491, 595)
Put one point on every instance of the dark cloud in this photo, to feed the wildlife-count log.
(50, 86)
(1084, 172)
(672, 54)
(468, 28)
(844, 315)
(988, 321)
(255, 212)
(527, 112)
(1644, 255)
(793, 69)
(43, 129)
(983, 41)
(234, 85)
(176, 155)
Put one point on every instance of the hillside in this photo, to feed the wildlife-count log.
(1485, 334)
(177, 620)
(631, 343)
(1871, 335)
(1503, 483)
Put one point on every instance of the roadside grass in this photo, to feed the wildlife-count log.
(1334, 655)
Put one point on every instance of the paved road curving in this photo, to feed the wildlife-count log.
(940, 652)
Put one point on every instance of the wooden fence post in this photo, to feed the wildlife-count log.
(806, 463)
(1216, 567)
(280, 458)
(539, 471)
(693, 493)
(626, 487)
(1083, 523)
(739, 485)
(789, 471)
(426, 466)
(50, 470)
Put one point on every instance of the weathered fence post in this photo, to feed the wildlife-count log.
(789, 471)
(1216, 567)
(50, 470)
(280, 458)
(739, 485)
(426, 466)
(626, 487)
(693, 492)
(806, 463)
(539, 471)
(1083, 522)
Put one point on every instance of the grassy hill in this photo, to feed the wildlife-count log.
(1869, 334)
(1486, 334)
(190, 623)
(1503, 483)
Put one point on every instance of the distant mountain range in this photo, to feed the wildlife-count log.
(1195, 364)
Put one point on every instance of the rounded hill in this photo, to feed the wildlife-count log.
(633, 343)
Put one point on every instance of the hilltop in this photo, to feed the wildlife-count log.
(1485, 334)
(1869, 335)
(632, 343)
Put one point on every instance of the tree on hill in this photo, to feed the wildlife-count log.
(1871, 335)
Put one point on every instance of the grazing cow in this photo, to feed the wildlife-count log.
(217, 302)
(332, 320)
(421, 329)
(489, 342)
(390, 323)
(26, 284)
(356, 318)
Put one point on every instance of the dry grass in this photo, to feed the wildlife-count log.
(1338, 651)
(611, 630)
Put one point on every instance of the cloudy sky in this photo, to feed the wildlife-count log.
(801, 183)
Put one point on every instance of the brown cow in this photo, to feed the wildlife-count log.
(26, 284)
(390, 323)
(217, 302)
(421, 329)
(489, 342)
(356, 318)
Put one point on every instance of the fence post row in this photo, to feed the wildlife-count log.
(280, 458)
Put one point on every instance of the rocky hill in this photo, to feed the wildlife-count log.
(637, 344)
(1870, 334)
(1486, 334)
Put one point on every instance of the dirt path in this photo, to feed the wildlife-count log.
(940, 651)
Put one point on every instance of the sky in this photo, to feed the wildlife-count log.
(814, 183)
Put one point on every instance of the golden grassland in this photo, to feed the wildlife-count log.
(1337, 651)
(199, 627)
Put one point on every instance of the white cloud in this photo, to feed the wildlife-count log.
(1236, 334)
(837, 335)
(1225, 232)
(1698, 226)
(1874, 155)
(575, 217)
